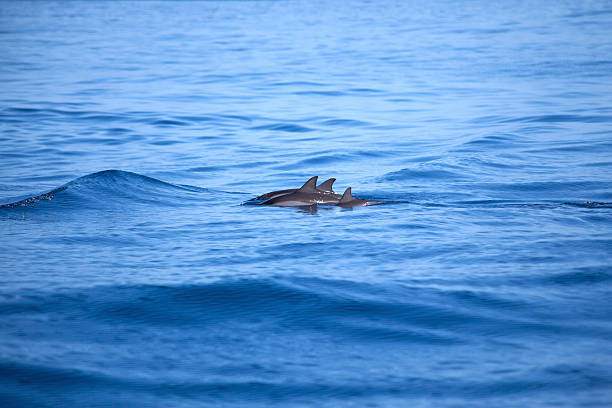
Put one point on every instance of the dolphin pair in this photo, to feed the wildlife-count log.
(311, 194)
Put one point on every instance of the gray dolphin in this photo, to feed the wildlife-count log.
(324, 187)
(274, 194)
(308, 194)
(348, 200)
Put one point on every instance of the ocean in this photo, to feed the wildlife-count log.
(136, 273)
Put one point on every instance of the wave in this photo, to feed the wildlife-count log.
(115, 188)
(283, 127)
(229, 329)
(348, 123)
(428, 172)
(220, 326)
(108, 187)
(39, 384)
(560, 119)
(118, 122)
(416, 313)
(590, 204)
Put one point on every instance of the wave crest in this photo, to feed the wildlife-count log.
(110, 186)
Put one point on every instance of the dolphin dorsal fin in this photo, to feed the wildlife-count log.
(327, 185)
(309, 186)
(347, 196)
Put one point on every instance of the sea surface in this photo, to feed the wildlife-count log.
(135, 272)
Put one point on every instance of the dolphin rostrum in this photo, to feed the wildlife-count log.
(325, 187)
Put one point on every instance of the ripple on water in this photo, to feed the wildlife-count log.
(283, 127)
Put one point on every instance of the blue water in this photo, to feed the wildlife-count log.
(132, 133)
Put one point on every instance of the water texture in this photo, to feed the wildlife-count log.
(133, 133)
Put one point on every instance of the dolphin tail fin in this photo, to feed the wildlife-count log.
(347, 196)
(327, 185)
(309, 186)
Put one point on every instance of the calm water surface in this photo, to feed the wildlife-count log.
(131, 133)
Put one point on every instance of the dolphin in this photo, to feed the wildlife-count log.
(274, 194)
(348, 201)
(324, 187)
(306, 195)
